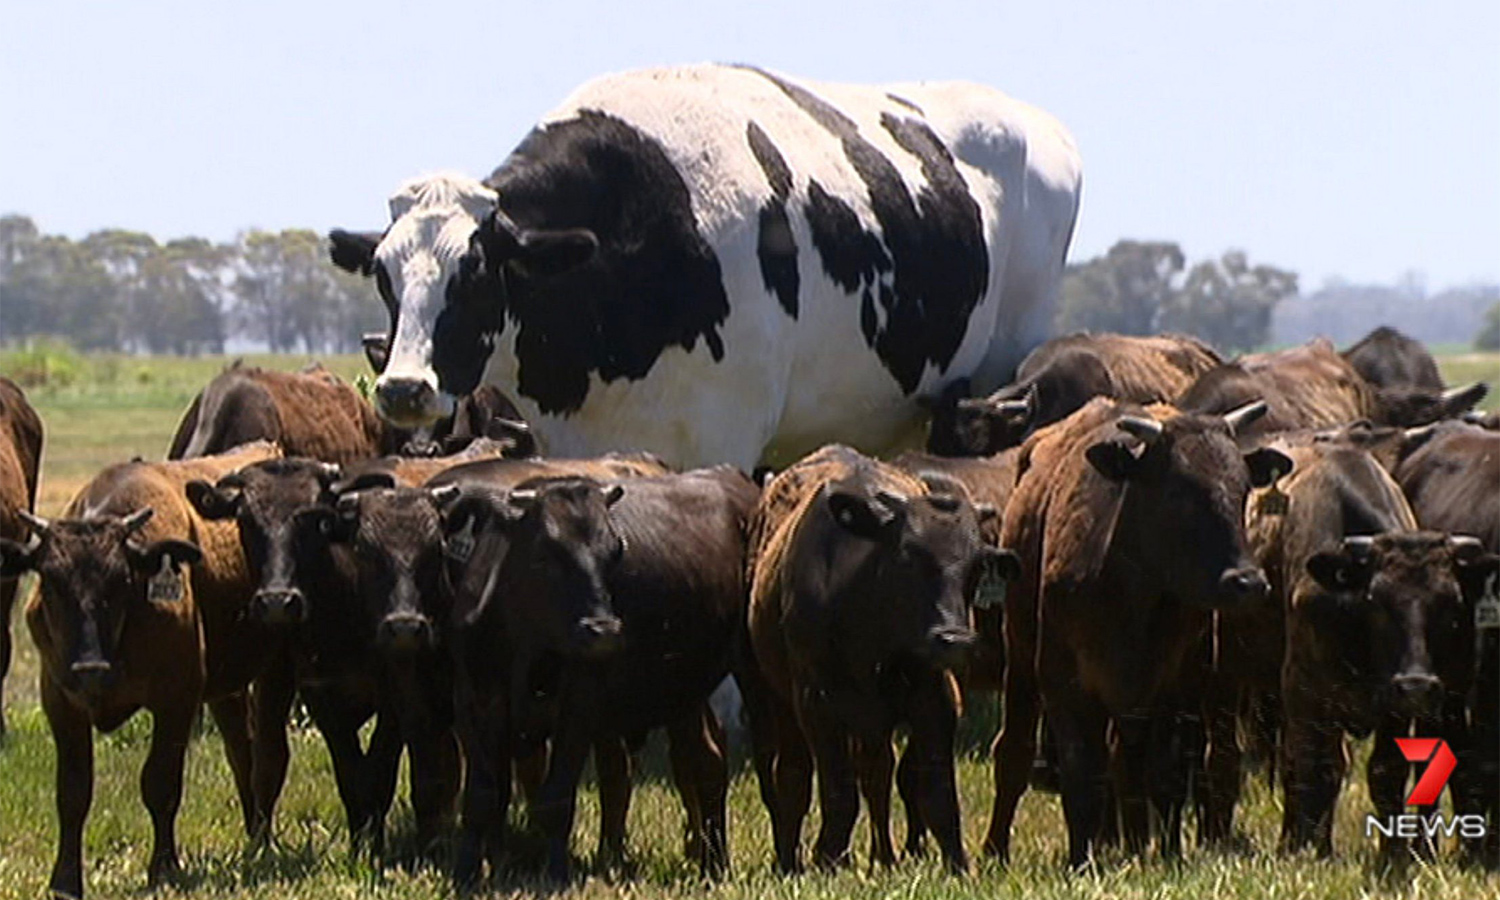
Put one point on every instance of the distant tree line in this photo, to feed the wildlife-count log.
(125, 291)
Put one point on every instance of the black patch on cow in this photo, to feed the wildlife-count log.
(775, 246)
(933, 268)
(654, 282)
(906, 103)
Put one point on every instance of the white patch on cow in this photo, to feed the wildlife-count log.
(786, 385)
(432, 220)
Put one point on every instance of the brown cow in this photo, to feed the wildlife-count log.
(1312, 386)
(1386, 358)
(1060, 376)
(861, 583)
(119, 627)
(1451, 475)
(20, 460)
(1128, 525)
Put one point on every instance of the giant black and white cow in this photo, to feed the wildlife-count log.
(724, 264)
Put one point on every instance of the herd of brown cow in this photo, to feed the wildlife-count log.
(1151, 553)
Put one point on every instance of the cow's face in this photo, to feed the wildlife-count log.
(1183, 510)
(396, 536)
(981, 426)
(445, 269)
(282, 508)
(94, 575)
(543, 554)
(925, 559)
(1397, 610)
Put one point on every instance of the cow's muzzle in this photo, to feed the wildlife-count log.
(404, 633)
(93, 676)
(1419, 695)
(949, 646)
(407, 402)
(1242, 586)
(598, 636)
(279, 606)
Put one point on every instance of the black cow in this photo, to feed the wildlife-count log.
(590, 612)
(1386, 358)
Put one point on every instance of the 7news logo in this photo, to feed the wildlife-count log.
(1430, 783)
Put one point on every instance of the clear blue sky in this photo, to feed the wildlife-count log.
(1359, 139)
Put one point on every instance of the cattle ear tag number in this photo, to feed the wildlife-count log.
(1272, 502)
(461, 545)
(166, 585)
(990, 594)
(1487, 610)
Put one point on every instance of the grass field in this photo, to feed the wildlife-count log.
(122, 407)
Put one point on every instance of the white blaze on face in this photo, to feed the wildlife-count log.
(432, 220)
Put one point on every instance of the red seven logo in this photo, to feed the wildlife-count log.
(1440, 762)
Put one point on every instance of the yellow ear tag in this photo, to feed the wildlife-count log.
(990, 592)
(166, 585)
(1272, 502)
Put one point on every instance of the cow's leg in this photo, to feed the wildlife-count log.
(702, 776)
(232, 716)
(761, 710)
(338, 720)
(792, 773)
(481, 723)
(875, 762)
(612, 764)
(8, 589)
(270, 705)
(1129, 763)
(161, 784)
(74, 739)
(934, 718)
(382, 763)
(558, 796)
(1220, 792)
(1014, 747)
(1386, 774)
(434, 782)
(910, 790)
(1077, 723)
(1314, 768)
(838, 794)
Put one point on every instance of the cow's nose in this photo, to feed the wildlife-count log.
(404, 632)
(1243, 584)
(949, 645)
(280, 606)
(93, 675)
(404, 400)
(1418, 692)
(599, 635)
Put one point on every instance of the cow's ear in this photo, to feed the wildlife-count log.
(1343, 570)
(1003, 562)
(215, 502)
(1266, 465)
(1478, 570)
(1116, 460)
(515, 434)
(16, 558)
(873, 518)
(150, 559)
(353, 252)
(553, 252)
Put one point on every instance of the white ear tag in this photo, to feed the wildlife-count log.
(990, 593)
(461, 545)
(1487, 610)
(166, 585)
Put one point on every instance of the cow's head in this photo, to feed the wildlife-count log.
(982, 425)
(446, 268)
(1397, 612)
(396, 535)
(1182, 514)
(95, 576)
(539, 556)
(921, 558)
(283, 509)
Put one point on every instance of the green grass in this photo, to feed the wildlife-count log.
(123, 407)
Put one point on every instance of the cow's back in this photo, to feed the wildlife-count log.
(1453, 482)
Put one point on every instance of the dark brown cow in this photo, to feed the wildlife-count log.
(1453, 483)
(316, 414)
(1312, 386)
(119, 627)
(859, 609)
(1062, 375)
(20, 461)
(591, 613)
(1386, 358)
(1128, 525)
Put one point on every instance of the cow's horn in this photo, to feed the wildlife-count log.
(522, 499)
(1240, 418)
(1359, 543)
(37, 523)
(1465, 546)
(444, 494)
(138, 519)
(1148, 430)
